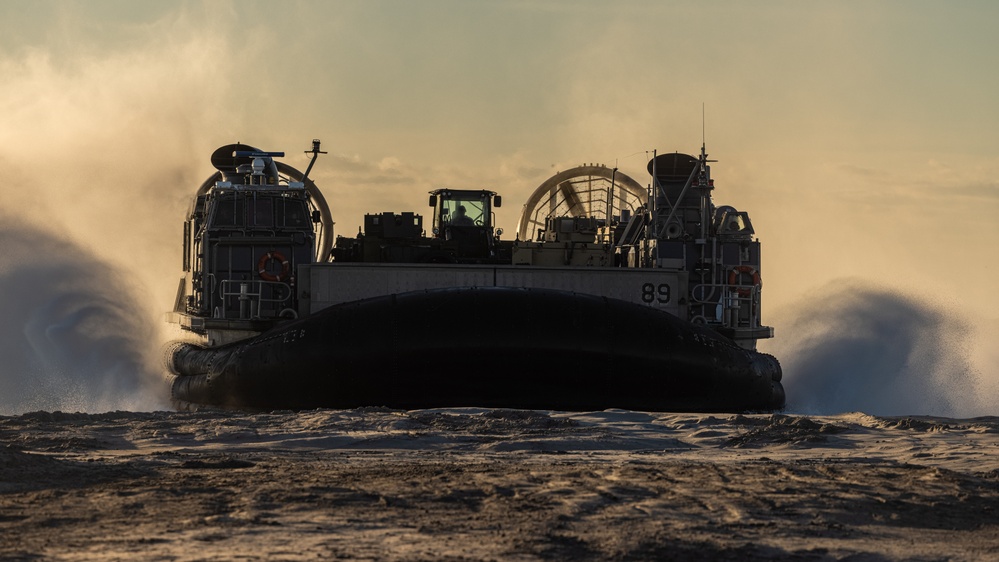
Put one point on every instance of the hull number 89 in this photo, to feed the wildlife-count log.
(652, 293)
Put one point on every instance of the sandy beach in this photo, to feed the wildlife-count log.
(471, 484)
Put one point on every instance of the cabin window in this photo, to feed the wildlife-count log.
(262, 211)
(229, 212)
(464, 212)
(292, 213)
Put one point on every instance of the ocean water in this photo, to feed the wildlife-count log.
(74, 339)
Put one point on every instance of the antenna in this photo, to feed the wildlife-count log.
(702, 126)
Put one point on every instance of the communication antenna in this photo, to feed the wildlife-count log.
(702, 127)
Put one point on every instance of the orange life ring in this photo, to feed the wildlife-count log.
(278, 257)
(733, 278)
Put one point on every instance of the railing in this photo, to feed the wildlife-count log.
(735, 306)
(251, 300)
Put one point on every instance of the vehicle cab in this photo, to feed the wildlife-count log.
(464, 220)
(456, 207)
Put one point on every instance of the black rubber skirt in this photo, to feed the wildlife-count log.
(486, 347)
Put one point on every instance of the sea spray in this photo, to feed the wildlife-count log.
(74, 335)
(860, 348)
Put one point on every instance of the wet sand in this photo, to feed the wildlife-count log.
(472, 484)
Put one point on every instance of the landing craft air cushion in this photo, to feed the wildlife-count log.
(605, 298)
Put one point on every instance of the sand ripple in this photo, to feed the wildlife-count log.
(459, 484)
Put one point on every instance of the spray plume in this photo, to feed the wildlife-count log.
(72, 337)
(861, 348)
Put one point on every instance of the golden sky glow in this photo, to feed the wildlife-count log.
(862, 137)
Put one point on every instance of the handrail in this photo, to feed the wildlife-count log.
(730, 298)
(251, 295)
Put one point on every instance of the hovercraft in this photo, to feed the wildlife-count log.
(606, 298)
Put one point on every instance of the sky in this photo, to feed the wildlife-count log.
(861, 136)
